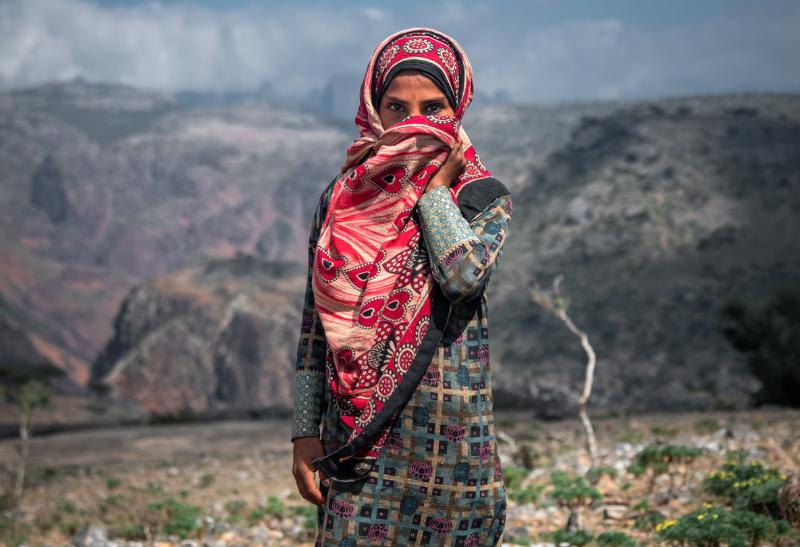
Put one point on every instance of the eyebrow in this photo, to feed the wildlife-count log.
(439, 99)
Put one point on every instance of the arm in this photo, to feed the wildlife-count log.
(309, 380)
(463, 254)
(309, 376)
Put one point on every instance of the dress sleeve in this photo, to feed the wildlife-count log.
(463, 254)
(309, 378)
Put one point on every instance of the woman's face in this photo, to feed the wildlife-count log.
(411, 94)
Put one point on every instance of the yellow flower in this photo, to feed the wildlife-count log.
(660, 527)
(701, 516)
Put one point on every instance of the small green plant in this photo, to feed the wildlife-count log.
(660, 458)
(206, 479)
(274, 506)
(706, 426)
(747, 485)
(613, 538)
(14, 532)
(178, 518)
(513, 476)
(528, 494)
(577, 538)
(154, 488)
(308, 513)
(236, 509)
(67, 506)
(256, 515)
(108, 502)
(648, 520)
(572, 491)
(596, 473)
(113, 483)
(131, 531)
(716, 526)
(664, 432)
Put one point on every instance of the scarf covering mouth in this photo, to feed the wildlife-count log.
(371, 277)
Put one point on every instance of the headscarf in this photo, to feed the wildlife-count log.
(371, 277)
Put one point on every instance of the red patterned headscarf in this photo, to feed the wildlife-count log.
(371, 278)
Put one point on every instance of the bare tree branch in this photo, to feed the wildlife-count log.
(557, 304)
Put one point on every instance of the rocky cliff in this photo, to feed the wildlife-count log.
(655, 214)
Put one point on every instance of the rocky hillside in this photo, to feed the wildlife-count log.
(120, 203)
(213, 340)
(106, 186)
(655, 214)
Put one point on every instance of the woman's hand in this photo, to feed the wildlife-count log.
(450, 170)
(307, 449)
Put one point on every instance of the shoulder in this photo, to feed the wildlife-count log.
(479, 194)
(325, 197)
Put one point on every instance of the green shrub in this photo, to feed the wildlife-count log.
(206, 479)
(274, 507)
(648, 520)
(576, 538)
(309, 514)
(178, 518)
(113, 483)
(513, 476)
(706, 426)
(614, 538)
(595, 473)
(659, 458)
(748, 485)
(529, 494)
(572, 491)
(716, 526)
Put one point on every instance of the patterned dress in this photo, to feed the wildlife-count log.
(438, 480)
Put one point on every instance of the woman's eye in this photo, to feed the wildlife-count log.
(396, 107)
(433, 108)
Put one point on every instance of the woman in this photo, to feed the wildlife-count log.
(393, 356)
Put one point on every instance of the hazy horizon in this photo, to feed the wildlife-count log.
(563, 52)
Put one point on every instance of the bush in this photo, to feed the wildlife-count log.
(179, 518)
(513, 475)
(576, 538)
(529, 494)
(659, 457)
(615, 539)
(595, 473)
(572, 491)
(748, 485)
(716, 526)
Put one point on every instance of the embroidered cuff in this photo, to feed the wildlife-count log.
(308, 394)
(442, 222)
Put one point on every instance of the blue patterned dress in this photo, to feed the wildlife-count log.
(438, 480)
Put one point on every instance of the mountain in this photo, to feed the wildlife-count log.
(141, 230)
(656, 214)
(106, 186)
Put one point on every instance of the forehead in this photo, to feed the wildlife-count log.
(408, 80)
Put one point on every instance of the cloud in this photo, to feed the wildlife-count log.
(519, 48)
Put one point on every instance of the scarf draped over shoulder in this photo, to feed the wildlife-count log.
(371, 277)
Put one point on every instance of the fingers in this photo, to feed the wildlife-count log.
(324, 479)
(304, 477)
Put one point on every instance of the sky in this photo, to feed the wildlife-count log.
(537, 51)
